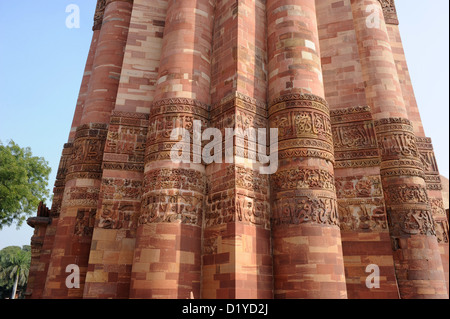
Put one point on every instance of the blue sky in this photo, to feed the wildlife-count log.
(42, 63)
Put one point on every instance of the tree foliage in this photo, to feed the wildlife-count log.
(14, 262)
(23, 183)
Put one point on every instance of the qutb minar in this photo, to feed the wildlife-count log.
(357, 186)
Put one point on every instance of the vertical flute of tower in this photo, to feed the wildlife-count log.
(418, 264)
(58, 190)
(168, 240)
(84, 86)
(78, 209)
(308, 260)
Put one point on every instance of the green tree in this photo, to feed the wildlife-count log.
(23, 183)
(14, 269)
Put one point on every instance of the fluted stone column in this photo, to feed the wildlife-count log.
(307, 250)
(167, 260)
(416, 252)
(79, 205)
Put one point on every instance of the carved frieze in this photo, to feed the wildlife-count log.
(362, 215)
(171, 207)
(437, 207)
(411, 222)
(174, 178)
(253, 211)
(302, 178)
(406, 194)
(359, 187)
(118, 215)
(85, 220)
(309, 209)
(354, 137)
(302, 123)
(442, 231)
(87, 154)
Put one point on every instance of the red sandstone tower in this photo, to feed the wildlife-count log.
(357, 183)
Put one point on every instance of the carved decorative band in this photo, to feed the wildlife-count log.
(87, 154)
(299, 96)
(355, 136)
(239, 100)
(300, 124)
(406, 194)
(411, 222)
(176, 105)
(84, 224)
(442, 231)
(397, 145)
(302, 210)
(375, 162)
(302, 101)
(174, 178)
(307, 153)
(424, 143)
(135, 167)
(393, 124)
(171, 207)
(402, 172)
(302, 178)
(433, 179)
(401, 164)
(130, 118)
(362, 215)
(116, 215)
(244, 209)
(358, 187)
(352, 155)
(91, 130)
(351, 114)
(437, 187)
